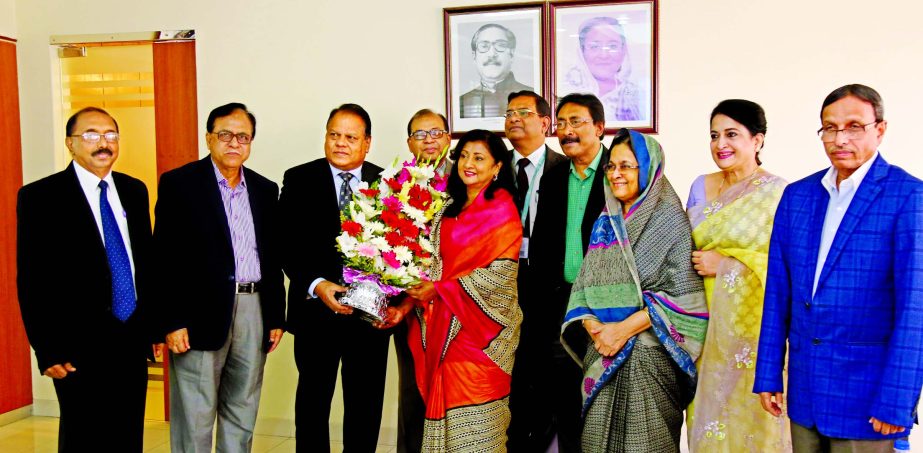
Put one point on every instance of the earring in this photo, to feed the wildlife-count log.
(496, 175)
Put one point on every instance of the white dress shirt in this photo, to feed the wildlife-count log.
(90, 185)
(534, 158)
(840, 199)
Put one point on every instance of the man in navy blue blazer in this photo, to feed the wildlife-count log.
(845, 288)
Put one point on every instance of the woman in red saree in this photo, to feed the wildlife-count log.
(465, 326)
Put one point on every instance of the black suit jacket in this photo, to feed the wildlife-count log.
(195, 258)
(64, 283)
(310, 225)
(547, 244)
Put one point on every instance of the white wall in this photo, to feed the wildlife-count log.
(292, 61)
(8, 18)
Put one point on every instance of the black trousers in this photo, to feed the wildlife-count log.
(411, 410)
(320, 348)
(105, 394)
(545, 398)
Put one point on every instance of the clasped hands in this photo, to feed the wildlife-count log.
(608, 338)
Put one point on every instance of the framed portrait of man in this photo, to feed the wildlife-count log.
(490, 52)
(609, 49)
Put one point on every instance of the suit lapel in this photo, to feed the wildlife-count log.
(863, 199)
(212, 195)
(83, 212)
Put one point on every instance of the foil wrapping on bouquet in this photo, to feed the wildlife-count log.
(367, 294)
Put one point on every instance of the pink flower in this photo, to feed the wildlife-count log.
(676, 336)
(367, 250)
(390, 258)
(392, 203)
(440, 182)
(607, 361)
(404, 176)
(588, 384)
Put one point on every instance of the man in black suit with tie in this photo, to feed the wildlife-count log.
(571, 200)
(83, 256)
(221, 295)
(528, 121)
(326, 332)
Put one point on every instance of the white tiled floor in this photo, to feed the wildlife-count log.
(40, 435)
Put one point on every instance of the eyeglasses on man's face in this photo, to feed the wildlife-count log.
(521, 113)
(852, 132)
(433, 133)
(93, 137)
(573, 122)
(501, 45)
(621, 167)
(226, 136)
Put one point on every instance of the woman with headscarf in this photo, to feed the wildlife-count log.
(603, 68)
(465, 328)
(636, 318)
(731, 212)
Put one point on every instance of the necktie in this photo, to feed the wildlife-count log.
(522, 189)
(123, 286)
(346, 192)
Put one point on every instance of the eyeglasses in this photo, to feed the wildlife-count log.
(500, 46)
(620, 167)
(852, 132)
(93, 137)
(521, 113)
(433, 133)
(242, 138)
(573, 122)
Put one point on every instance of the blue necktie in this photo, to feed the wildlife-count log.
(123, 286)
(346, 192)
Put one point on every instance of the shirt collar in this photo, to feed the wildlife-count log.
(591, 169)
(852, 182)
(222, 179)
(88, 181)
(533, 158)
(356, 172)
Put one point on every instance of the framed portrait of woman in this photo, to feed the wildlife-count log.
(609, 49)
(490, 52)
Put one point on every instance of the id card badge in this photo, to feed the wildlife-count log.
(524, 250)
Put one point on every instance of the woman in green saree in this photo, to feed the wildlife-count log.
(731, 213)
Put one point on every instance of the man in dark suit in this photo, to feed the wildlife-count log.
(326, 332)
(528, 121)
(84, 295)
(571, 199)
(221, 293)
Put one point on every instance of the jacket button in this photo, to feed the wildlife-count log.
(816, 341)
(230, 278)
(807, 305)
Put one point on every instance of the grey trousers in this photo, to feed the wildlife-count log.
(809, 440)
(225, 383)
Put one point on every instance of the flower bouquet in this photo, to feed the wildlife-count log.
(385, 234)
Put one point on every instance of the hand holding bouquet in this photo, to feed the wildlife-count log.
(385, 234)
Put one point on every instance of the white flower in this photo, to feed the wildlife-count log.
(375, 227)
(380, 243)
(418, 216)
(426, 244)
(347, 244)
(392, 169)
(403, 254)
(368, 210)
(422, 174)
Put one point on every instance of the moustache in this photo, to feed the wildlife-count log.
(567, 140)
(101, 151)
(492, 61)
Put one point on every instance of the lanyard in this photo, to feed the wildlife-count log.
(526, 203)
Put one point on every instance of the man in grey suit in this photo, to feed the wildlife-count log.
(528, 121)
